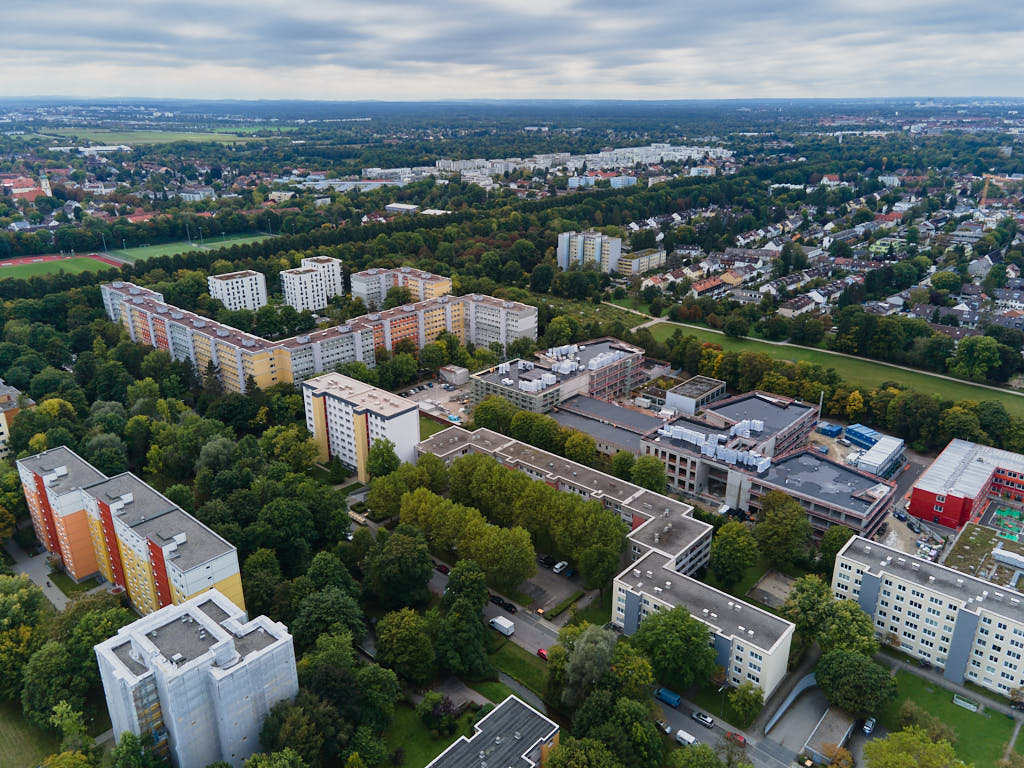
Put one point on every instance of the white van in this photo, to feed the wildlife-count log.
(503, 625)
(685, 739)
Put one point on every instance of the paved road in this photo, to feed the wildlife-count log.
(763, 753)
(37, 569)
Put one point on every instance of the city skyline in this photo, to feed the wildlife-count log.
(398, 50)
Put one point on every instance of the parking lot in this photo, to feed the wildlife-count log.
(447, 403)
(548, 589)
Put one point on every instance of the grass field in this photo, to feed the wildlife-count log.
(631, 302)
(109, 136)
(717, 704)
(860, 373)
(585, 311)
(599, 611)
(982, 735)
(67, 585)
(521, 665)
(72, 266)
(181, 246)
(22, 745)
(493, 690)
(429, 427)
(408, 732)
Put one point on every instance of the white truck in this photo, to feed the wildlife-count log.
(503, 625)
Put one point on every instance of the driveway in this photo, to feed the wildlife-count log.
(37, 569)
(548, 588)
(799, 721)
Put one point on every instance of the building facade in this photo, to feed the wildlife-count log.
(589, 249)
(239, 290)
(12, 402)
(346, 416)
(667, 545)
(199, 677)
(123, 530)
(372, 285)
(242, 359)
(969, 628)
(313, 284)
(639, 262)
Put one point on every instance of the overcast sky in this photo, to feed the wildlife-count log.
(429, 49)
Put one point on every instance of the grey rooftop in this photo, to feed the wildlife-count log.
(502, 739)
(77, 472)
(809, 474)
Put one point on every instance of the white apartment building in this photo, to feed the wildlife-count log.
(311, 285)
(372, 285)
(969, 628)
(346, 416)
(589, 249)
(200, 677)
(239, 290)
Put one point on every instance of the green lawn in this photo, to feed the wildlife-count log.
(585, 311)
(631, 302)
(599, 611)
(181, 246)
(521, 665)
(493, 690)
(982, 735)
(860, 373)
(22, 745)
(72, 266)
(429, 427)
(750, 577)
(68, 586)
(716, 704)
(408, 732)
(108, 136)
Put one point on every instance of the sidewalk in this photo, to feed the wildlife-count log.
(37, 569)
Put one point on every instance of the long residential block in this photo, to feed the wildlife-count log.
(199, 677)
(969, 628)
(241, 358)
(346, 417)
(125, 531)
(668, 546)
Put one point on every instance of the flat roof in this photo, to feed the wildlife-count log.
(833, 728)
(969, 591)
(727, 615)
(236, 275)
(964, 468)
(808, 473)
(146, 503)
(502, 739)
(776, 412)
(360, 395)
(601, 431)
(9, 397)
(632, 419)
(534, 372)
(697, 387)
(200, 546)
(79, 473)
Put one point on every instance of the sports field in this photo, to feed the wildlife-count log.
(108, 136)
(48, 265)
(860, 373)
(183, 246)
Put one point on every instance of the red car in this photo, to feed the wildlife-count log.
(737, 737)
(441, 568)
(542, 652)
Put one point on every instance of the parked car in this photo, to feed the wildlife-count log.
(669, 697)
(442, 568)
(546, 561)
(560, 566)
(914, 525)
(508, 606)
(843, 441)
(738, 738)
(570, 572)
(900, 515)
(543, 653)
(497, 600)
(664, 727)
(685, 739)
(704, 719)
(924, 663)
(869, 725)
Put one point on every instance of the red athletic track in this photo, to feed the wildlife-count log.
(59, 257)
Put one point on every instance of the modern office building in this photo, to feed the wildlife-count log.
(640, 262)
(668, 546)
(969, 628)
(589, 249)
(694, 394)
(12, 402)
(312, 284)
(614, 427)
(957, 486)
(242, 359)
(602, 368)
(239, 290)
(199, 677)
(512, 735)
(372, 285)
(346, 416)
(120, 528)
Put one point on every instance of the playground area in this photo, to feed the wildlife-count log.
(1008, 523)
(51, 264)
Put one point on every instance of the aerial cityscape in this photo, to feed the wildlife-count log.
(408, 387)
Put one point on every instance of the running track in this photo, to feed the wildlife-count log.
(59, 257)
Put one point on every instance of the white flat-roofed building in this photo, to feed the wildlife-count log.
(347, 416)
(401, 208)
(589, 249)
(372, 285)
(239, 290)
(969, 628)
(200, 677)
(311, 285)
(668, 546)
(330, 271)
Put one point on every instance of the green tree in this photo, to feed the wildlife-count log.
(508, 555)
(320, 611)
(398, 570)
(696, 756)
(50, 677)
(261, 576)
(622, 465)
(461, 644)
(581, 753)
(785, 531)
(845, 626)
(835, 539)
(135, 752)
(74, 736)
(382, 459)
(648, 472)
(677, 646)
(975, 358)
(590, 657)
(632, 672)
(286, 758)
(598, 564)
(946, 281)
(910, 748)
(69, 760)
(466, 581)
(581, 448)
(404, 645)
(747, 700)
(854, 682)
(733, 551)
(807, 604)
